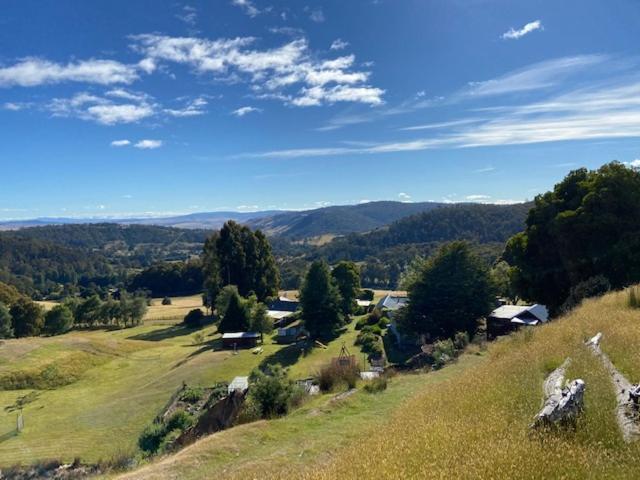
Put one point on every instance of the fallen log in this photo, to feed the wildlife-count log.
(627, 394)
(562, 403)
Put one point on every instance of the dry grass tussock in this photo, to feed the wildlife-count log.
(475, 425)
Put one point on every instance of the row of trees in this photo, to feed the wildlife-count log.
(22, 317)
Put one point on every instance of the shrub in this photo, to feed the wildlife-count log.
(178, 420)
(166, 301)
(361, 323)
(194, 318)
(198, 338)
(461, 340)
(376, 385)
(366, 294)
(58, 320)
(272, 391)
(443, 352)
(191, 395)
(633, 297)
(151, 438)
(332, 376)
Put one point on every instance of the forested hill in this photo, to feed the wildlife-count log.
(99, 235)
(481, 224)
(37, 267)
(339, 220)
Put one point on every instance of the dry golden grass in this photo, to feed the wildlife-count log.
(471, 424)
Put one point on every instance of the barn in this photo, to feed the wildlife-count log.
(507, 318)
(240, 339)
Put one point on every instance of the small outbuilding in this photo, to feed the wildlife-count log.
(290, 334)
(240, 339)
(507, 318)
(240, 384)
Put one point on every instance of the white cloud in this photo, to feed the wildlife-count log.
(317, 15)
(485, 169)
(14, 107)
(635, 163)
(242, 111)
(404, 197)
(534, 77)
(191, 109)
(289, 73)
(528, 28)
(126, 108)
(148, 144)
(247, 6)
(477, 197)
(120, 143)
(339, 44)
(189, 15)
(35, 71)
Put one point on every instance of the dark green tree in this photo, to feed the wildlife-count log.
(347, 278)
(267, 278)
(260, 321)
(58, 320)
(231, 255)
(211, 271)
(321, 302)
(237, 316)
(27, 318)
(451, 293)
(194, 319)
(271, 391)
(88, 311)
(589, 225)
(6, 329)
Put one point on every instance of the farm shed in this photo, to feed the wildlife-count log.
(240, 339)
(290, 334)
(282, 308)
(238, 384)
(508, 318)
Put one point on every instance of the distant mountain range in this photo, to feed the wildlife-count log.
(205, 220)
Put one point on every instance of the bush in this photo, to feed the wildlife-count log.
(375, 329)
(592, 287)
(461, 340)
(198, 338)
(272, 391)
(166, 301)
(332, 376)
(633, 297)
(443, 352)
(194, 318)
(158, 436)
(151, 438)
(361, 323)
(191, 395)
(376, 385)
(58, 320)
(180, 420)
(366, 294)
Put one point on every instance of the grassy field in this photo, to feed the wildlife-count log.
(469, 420)
(119, 380)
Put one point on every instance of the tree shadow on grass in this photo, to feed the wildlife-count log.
(210, 345)
(8, 436)
(164, 333)
(286, 356)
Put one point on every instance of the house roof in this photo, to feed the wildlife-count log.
(363, 303)
(393, 302)
(521, 313)
(284, 304)
(239, 383)
(236, 335)
(278, 314)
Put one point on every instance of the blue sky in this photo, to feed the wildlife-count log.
(121, 108)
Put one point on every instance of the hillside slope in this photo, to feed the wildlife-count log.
(339, 220)
(469, 420)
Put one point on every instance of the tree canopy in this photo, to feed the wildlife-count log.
(588, 225)
(27, 318)
(451, 291)
(347, 278)
(320, 301)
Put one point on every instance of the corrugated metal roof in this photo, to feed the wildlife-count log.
(509, 312)
(238, 383)
(393, 302)
(240, 335)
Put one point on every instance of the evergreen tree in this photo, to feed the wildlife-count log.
(452, 291)
(27, 318)
(211, 271)
(347, 278)
(260, 321)
(58, 320)
(589, 225)
(6, 329)
(320, 301)
(237, 317)
(267, 279)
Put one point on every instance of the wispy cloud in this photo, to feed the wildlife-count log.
(404, 197)
(290, 73)
(242, 111)
(120, 143)
(513, 34)
(339, 44)
(32, 71)
(148, 144)
(317, 15)
(189, 15)
(440, 125)
(193, 108)
(477, 197)
(247, 7)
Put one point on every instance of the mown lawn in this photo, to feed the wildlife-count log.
(124, 377)
(469, 420)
